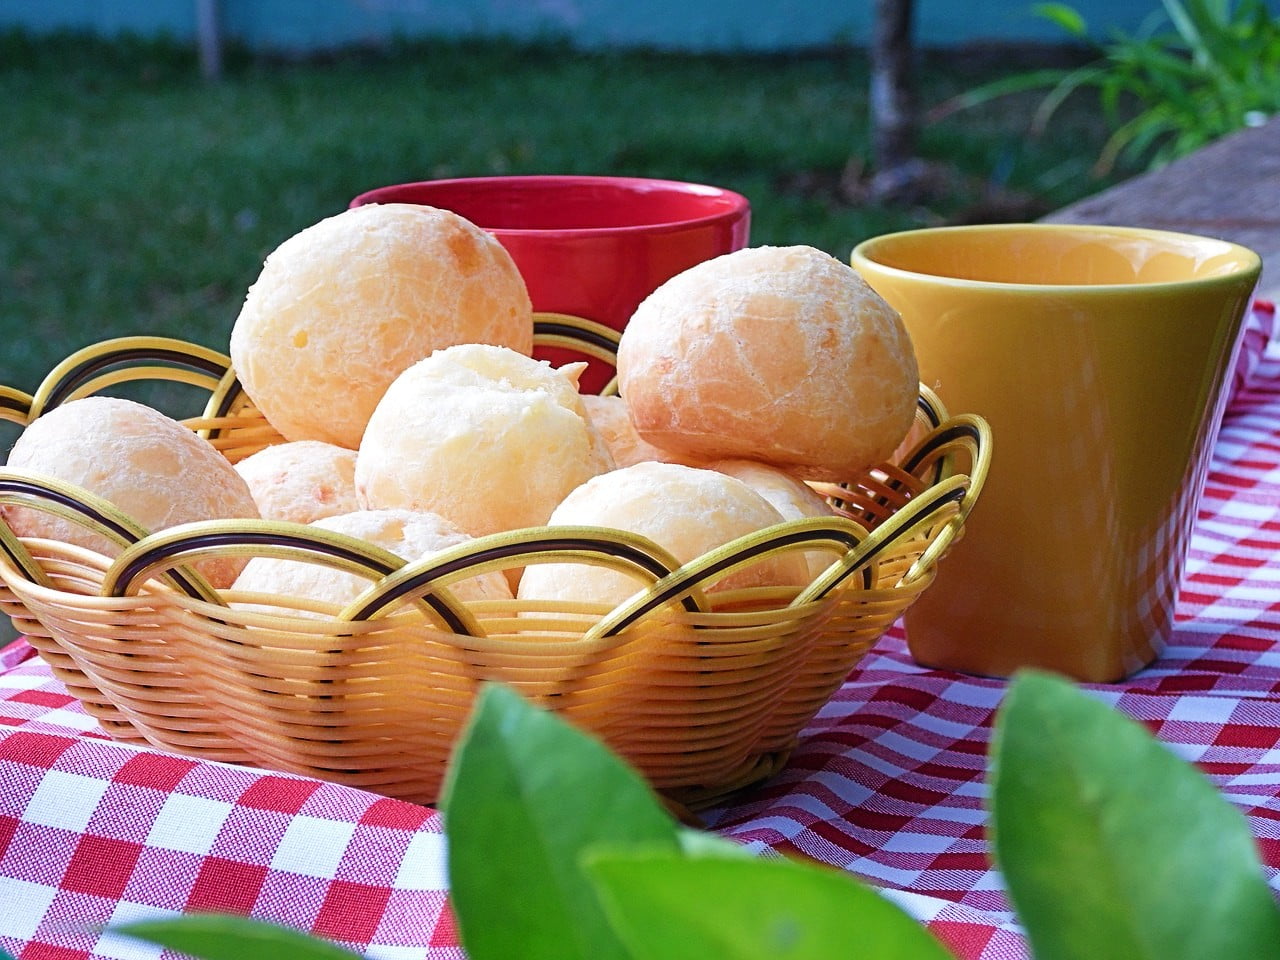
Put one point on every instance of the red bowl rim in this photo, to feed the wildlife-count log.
(736, 205)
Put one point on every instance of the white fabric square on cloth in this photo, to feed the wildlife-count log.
(424, 864)
(1202, 709)
(187, 823)
(25, 905)
(65, 800)
(313, 847)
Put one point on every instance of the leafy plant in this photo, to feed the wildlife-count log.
(1199, 70)
(213, 936)
(1110, 846)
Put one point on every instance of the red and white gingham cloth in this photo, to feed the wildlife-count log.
(887, 783)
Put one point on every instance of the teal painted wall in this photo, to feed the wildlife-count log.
(309, 25)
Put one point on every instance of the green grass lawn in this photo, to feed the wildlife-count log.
(137, 198)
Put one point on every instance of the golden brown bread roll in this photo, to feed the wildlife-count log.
(410, 535)
(342, 307)
(686, 510)
(301, 481)
(148, 465)
(793, 499)
(482, 435)
(778, 354)
(612, 419)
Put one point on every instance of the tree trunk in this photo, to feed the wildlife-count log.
(209, 39)
(895, 167)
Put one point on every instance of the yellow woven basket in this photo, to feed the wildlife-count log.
(704, 692)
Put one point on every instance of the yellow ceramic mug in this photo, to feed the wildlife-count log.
(1101, 358)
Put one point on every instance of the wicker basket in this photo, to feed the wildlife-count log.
(704, 692)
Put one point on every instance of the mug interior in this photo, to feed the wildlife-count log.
(567, 203)
(1052, 255)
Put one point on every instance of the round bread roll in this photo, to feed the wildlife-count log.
(301, 481)
(778, 354)
(611, 417)
(344, 306)
(482, 435)
(410, 535)
(792, 498)
(687, 510)
(148, 465)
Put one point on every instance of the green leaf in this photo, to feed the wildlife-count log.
(667, 907)
(1069, 84)
(700, 843)
(525, 794)
(1066, 17)
(217, 936)
(1111, 846)
(1190, 28)
(1005, 86)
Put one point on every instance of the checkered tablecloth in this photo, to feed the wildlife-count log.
(887, 783)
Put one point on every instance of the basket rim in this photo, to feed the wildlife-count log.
(170, 553)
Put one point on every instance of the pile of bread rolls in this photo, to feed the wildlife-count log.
(390, 345)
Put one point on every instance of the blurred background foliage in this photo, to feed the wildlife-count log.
(141, 199)
(1195, 71)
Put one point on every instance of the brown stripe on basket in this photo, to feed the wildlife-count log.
(505, 551)
(682, 581)
(886, 535)
(14, 485)
(555, 328)
(955, 496)
(36, 492)
(20, 557)
(957, 431)
(15, 402)
(229, 392)
(91, 365)
(930, 412)
(933, 443)
(205, 541)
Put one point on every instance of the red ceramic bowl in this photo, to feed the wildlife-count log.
(593, 247)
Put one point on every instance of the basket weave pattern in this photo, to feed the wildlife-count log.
(704, 692)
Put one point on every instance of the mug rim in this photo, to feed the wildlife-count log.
(736, 204)
(1249, 261)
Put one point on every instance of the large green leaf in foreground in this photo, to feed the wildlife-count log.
(669, 908)
(525, 796)
(1111, 846)
(215, 936)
